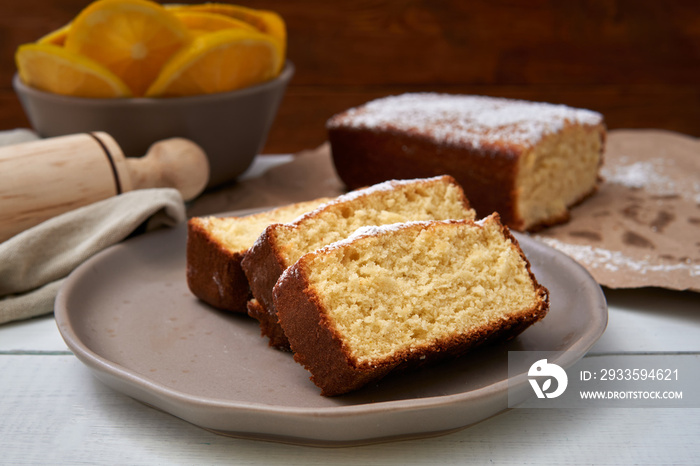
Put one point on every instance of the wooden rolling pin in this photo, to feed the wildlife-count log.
(47, 177)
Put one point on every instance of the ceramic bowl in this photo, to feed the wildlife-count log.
(231, 127)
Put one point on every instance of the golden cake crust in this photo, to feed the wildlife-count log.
(263, 265)
(269, 326)
(214, 273)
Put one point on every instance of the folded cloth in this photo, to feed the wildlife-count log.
(34, 263)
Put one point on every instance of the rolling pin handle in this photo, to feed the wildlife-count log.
(171, 163)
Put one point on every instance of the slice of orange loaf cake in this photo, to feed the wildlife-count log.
(528, 161)
(215, 248)
(404, 295)
(280, 245)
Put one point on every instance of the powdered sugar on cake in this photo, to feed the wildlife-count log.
(462, 119)
(384, 186)
(378, 230)
(352, 195)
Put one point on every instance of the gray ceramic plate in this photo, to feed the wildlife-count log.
(128, 315)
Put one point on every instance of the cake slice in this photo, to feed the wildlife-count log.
(528, 161)
(280, 245)
(398, 296)
(215, 248)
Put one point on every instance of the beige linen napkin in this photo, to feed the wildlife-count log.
(34, 263)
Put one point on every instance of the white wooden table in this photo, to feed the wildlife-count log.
(53, 411)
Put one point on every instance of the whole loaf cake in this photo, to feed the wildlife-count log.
(528, 161)
(398, 296)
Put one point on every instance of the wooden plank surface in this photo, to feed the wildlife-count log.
(55, 412)
(636, 61)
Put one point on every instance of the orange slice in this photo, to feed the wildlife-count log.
(219, 62)
(57, 37)
(54, 69)
(132, 38)
(201, 22)
(265, 21)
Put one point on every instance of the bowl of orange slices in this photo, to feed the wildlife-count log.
(214, 73)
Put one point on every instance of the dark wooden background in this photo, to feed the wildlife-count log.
(635, 61)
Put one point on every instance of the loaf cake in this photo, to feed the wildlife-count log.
(280, 245)
(215, 248)
(528, 161)
(395, 297)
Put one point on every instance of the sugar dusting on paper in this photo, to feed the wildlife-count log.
(616, 261)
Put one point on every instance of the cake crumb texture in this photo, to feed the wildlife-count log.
(389, 202)
(281, 245)
(392, 296)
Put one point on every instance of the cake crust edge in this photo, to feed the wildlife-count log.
(214, 273)
(319, 348)
(263, 265)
